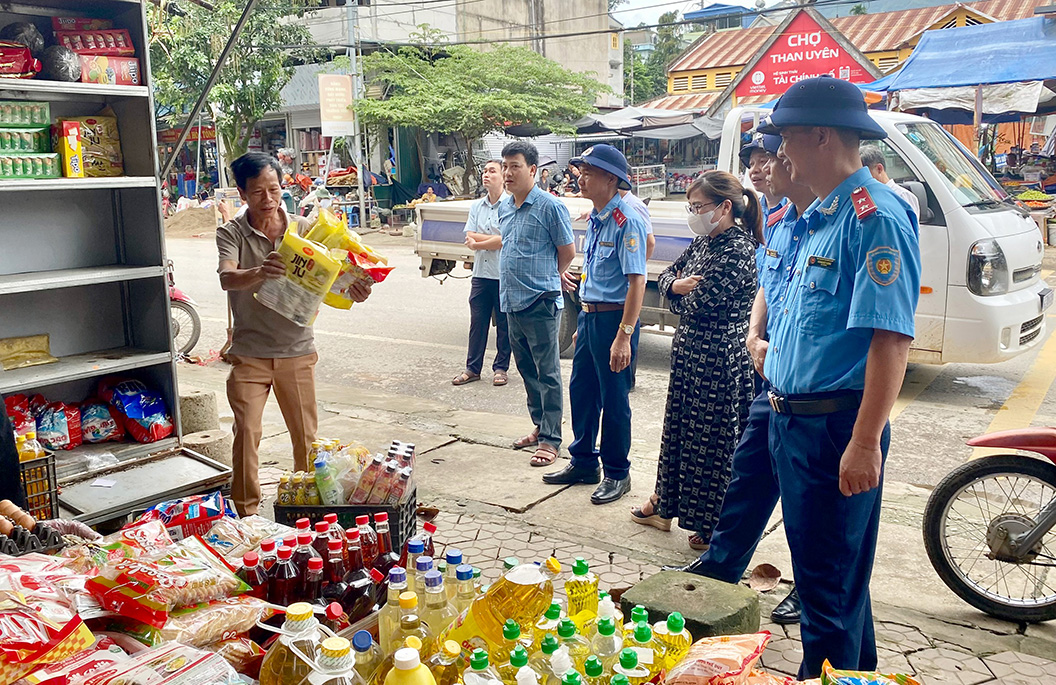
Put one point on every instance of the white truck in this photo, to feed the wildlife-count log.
(982, 297)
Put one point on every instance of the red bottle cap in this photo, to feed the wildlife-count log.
(333, 545)
(250, 559)
(285, 552)
(376, 576)
(363, 520)
(322, 528)
(352, 535)
(429, 528)
(304, 538)
(290, 540)
(331, 519)
(334, 611)
(304, 524)
(267, 545)
(381, 517)
(315, 564)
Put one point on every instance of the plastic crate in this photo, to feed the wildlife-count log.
(42, 488)
(402, 521)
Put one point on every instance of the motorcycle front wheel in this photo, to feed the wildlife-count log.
(967, 522)
(186, 326)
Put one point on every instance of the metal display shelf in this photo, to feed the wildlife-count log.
(80, 366)
(59, 90)
(72, 278)
(73, 465)
(66, 184)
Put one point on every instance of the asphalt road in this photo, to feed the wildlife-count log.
(409, 339)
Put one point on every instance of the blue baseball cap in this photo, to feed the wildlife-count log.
(824, 101)
(767, 142)
(607, 158)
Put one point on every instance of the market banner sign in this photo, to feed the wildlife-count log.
(171, 135)
(803, 50)
(335, 105)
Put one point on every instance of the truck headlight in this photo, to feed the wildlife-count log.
(987, 268)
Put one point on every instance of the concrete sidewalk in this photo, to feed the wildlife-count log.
(494, 505)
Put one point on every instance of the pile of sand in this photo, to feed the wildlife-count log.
(192, 222)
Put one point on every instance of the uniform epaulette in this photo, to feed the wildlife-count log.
(864, 207)
(777, 215)
(619, 217)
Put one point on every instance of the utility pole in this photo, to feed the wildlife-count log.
(352, 21)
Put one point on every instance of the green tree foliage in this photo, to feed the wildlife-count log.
(859, 9)
(613, 4)
(641, 81)
(668, 40)
(459, 90)
(184, 49)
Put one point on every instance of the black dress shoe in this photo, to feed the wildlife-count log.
(787, 612)
(611, 490)
(571, 475)
(695, 568)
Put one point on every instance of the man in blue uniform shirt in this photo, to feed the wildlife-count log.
(835, 362)
(606, 340)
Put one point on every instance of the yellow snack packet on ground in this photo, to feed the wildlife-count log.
(310, 271)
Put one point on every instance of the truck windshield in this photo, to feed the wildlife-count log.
(971, 184)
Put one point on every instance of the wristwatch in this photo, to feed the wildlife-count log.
(627, 328)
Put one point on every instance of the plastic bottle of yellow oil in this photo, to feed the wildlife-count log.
(582, 592)
(673, 637)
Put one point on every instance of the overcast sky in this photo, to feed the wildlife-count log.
(648, 11)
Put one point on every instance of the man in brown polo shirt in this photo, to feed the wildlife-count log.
(268, 351)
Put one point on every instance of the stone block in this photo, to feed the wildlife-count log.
(215, 444)
(709, 606)
(198, 411)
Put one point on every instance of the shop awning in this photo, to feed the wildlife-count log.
(689, 102)
(702, 126)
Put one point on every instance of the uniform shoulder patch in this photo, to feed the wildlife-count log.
(883, 264)
(630, 243)
(619, 217)
(864, 206)
(777, 215)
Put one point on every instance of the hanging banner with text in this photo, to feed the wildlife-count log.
(802, 51)
(335, 105)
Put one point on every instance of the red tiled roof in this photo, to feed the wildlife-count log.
(689, 102)
(723, 48)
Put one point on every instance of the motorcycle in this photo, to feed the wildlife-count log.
(988, 527)
(186, 325)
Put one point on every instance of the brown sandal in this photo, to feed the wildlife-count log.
(545, 455)
(465, 377)
(500, 378)
(697, 543)
(530, 440)
(653, 519)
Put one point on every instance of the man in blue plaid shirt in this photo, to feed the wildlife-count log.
(537, 246)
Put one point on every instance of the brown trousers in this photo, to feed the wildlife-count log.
(248, 385)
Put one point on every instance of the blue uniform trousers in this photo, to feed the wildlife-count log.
(600, 397)
(750, 499)
(832, 538)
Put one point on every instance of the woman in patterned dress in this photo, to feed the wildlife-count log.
(711, 287)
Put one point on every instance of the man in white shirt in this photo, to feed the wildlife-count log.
(873, 158)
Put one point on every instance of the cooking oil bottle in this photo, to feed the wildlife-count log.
(548, 622)
(673, 637)
(650, 652)
(410, 623)
(578, 648)
(628, 667)
(572, 677)
(408, 669)
(335, 664)
(281, 664)
(518, 659)
(607, 644)
(480, 671)
(386, 665)
(582, 592)
(556, 667)
(594, 672)
(638, 613)
(521, 594)
(368, 656)
(606, 609)
(389, 614)
(466, 590)
(446, 664)
(540, 659)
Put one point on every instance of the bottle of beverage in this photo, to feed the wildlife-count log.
(408, 669)
(453, 559)
(638, 614)
(358, 599)
(334, 570)
(548, 622)
(629, 668)
(594, 672)
(312, 588)
(33, 446)
(368, 655)
(282, 664)
(283, 579)
(400, 488)
(336, 532)
(465, 590)
(386, 665)
(540, 659)
(20, 447)
(608, 643)
(556, 666)
(428, 531)
(383, 486)
(422, 565)
(322, 537)
(284, 496)
(368, 540)
(268, 557)
(336, 618)
(479, 671)
(650, 653)
(311, 497)
(330, 491)
(409, 560)
(334, 666)
(577, 645)
(389, 616)
(517, 660)
(387, 556)
(439, 612)
(367, 479)
(673, 638)
(582, 592)
(254, 576)
(300, 495)
(302, 525)
(302, 554)
(572, 677)
(410, 622)
(445, 666)
(521, 594)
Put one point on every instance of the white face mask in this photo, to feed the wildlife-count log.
(325, 204)
(703, 224)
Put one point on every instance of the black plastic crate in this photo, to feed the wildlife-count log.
(402, 522)
(42, 488)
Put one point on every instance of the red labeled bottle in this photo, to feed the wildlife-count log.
(368, 540)
(313, 581)
(267, 554)
(336, 620)
(337, 533)
(283, 579)
(254, 575)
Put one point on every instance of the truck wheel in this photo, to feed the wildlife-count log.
(569, 321)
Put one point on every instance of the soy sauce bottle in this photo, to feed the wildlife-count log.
(254, 575)
(283, 579)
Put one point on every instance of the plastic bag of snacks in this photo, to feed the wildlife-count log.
(100, 422)
(140, 539)
(721, 660)
(310, 271)
(144, 413)
(48, 590)
(59, 426)
(760, 677)
(101, 145)
(834, 676)
(202, 624)
(232, 538)
(148, 589)
(72, 671)
(355, 268)
(189, 516)
(16, 61)
(29, 640)
(172, 664)
(244, 655)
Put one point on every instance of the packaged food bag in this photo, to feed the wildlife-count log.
(310, 271)
(71, 671)
(100, 422)
(835, 676)
(244, 655)
(355, 268)
(29, 640)
(145, 415)
(188, 516)
(141, 539)
(201, 625)
(59, 426)
(100, 144)
(720, 660)
(168, 665)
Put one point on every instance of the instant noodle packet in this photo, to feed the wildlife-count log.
(201, 625)
(310, 272)
(834, 676)
(719, 660)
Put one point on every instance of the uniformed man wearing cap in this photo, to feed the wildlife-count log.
(835, 362)
(754, 156)
(606, 341)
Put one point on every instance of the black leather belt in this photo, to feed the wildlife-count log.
(592, 307)
(813, 405)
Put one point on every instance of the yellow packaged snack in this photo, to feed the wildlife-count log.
(310, 271)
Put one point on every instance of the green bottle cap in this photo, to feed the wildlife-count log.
(642, 632)
(619, 679)
(510, 562)
(571, 678)
(553, 612)
(511, 630)
(519, 656)
(639, 613)
(628, 659)
(549, 644)
(606, 626)
(476, 573)
(566, 628)
(675, 623)
(479, 660)
(593, 667)
(580, 567)
(602, 595)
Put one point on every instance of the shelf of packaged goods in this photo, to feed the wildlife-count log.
(95, 459)
(109, 183)
(72, 278)
(59, 90)
(93, 9)
(80, 366)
